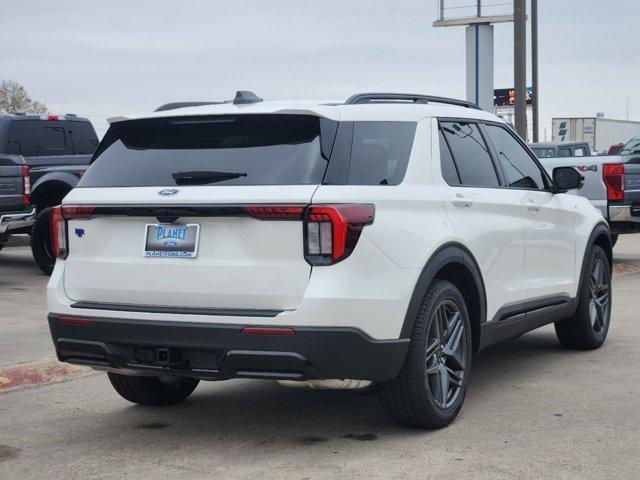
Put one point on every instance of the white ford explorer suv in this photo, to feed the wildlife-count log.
(388, 238)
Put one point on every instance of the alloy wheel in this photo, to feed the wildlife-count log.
(599, 304)
(446, 354)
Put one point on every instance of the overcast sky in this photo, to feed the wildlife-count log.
(106, 58)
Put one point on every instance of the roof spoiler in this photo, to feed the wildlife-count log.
(242, 97)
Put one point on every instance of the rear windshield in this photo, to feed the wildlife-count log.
(216, 150)
(544, 152)
(32, 138)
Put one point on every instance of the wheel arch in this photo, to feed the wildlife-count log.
(50, 192)
(455, 263)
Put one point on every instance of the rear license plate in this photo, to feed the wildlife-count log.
(171, 240)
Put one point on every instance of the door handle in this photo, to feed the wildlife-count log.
(532, 207)
(461, 201)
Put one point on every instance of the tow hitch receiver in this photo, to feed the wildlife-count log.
(165, 356)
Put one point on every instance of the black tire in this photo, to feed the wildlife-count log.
(41, 242)
(587, 328)
(153, 390)
(614, 239)
(2, 246)
(413, 399)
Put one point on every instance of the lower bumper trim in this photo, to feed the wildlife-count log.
(218, 352)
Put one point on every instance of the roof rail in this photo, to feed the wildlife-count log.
(363, 98)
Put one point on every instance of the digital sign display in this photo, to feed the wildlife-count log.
(506, 97)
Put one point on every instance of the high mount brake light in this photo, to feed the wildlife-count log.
(26, 185)
(331, 232)
(59, 234)
(613, 176)
(52, 118)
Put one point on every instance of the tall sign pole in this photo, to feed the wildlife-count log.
(520, 66)
(479, 51)
(534, 70)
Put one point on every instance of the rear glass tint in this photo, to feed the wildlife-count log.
(214, 150)
(32, 138)
(380, 152)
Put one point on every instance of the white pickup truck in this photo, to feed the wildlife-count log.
(612, 184)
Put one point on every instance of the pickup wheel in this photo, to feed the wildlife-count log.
(41, 242)
(614, 239)
(166, 390)
(587, 328)
(430, 388)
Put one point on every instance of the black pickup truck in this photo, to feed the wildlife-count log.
(42, 157)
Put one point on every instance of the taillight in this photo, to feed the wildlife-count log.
(26, 185)
(58, 233)
(613, 175)
(331, 232)
(59, 217)
(275, 212)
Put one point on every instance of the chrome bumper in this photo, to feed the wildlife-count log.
(14, 221)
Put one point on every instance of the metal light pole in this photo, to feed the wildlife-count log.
(534, 69)
(520, 66)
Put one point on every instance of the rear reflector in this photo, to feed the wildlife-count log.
(75, 320)
(285, 331)
(613, 176)
(332, 231)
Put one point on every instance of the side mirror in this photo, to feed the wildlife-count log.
(566, 178)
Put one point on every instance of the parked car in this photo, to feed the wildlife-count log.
(41, 159)
(560, 149)
(611, 184)
(386, 238)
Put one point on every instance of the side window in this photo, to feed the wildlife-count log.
(578, 152)
(470, 154)
(380, 152)
(564, 152)
(448, 167)
(520, 170)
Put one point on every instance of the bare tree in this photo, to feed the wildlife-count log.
(14, 98)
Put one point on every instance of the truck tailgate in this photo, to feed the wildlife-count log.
(11, 184)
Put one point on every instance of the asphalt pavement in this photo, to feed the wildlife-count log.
(533, 410)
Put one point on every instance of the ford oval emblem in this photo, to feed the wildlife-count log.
(168, 192)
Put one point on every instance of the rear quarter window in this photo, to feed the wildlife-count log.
(380, 152)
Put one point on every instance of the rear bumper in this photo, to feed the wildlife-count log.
(218, 352)
(622, 213)
(10, 221)
(624, 218)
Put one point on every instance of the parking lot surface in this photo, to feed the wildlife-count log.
(533, 410)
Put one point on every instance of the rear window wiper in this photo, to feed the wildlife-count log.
(204, 177)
